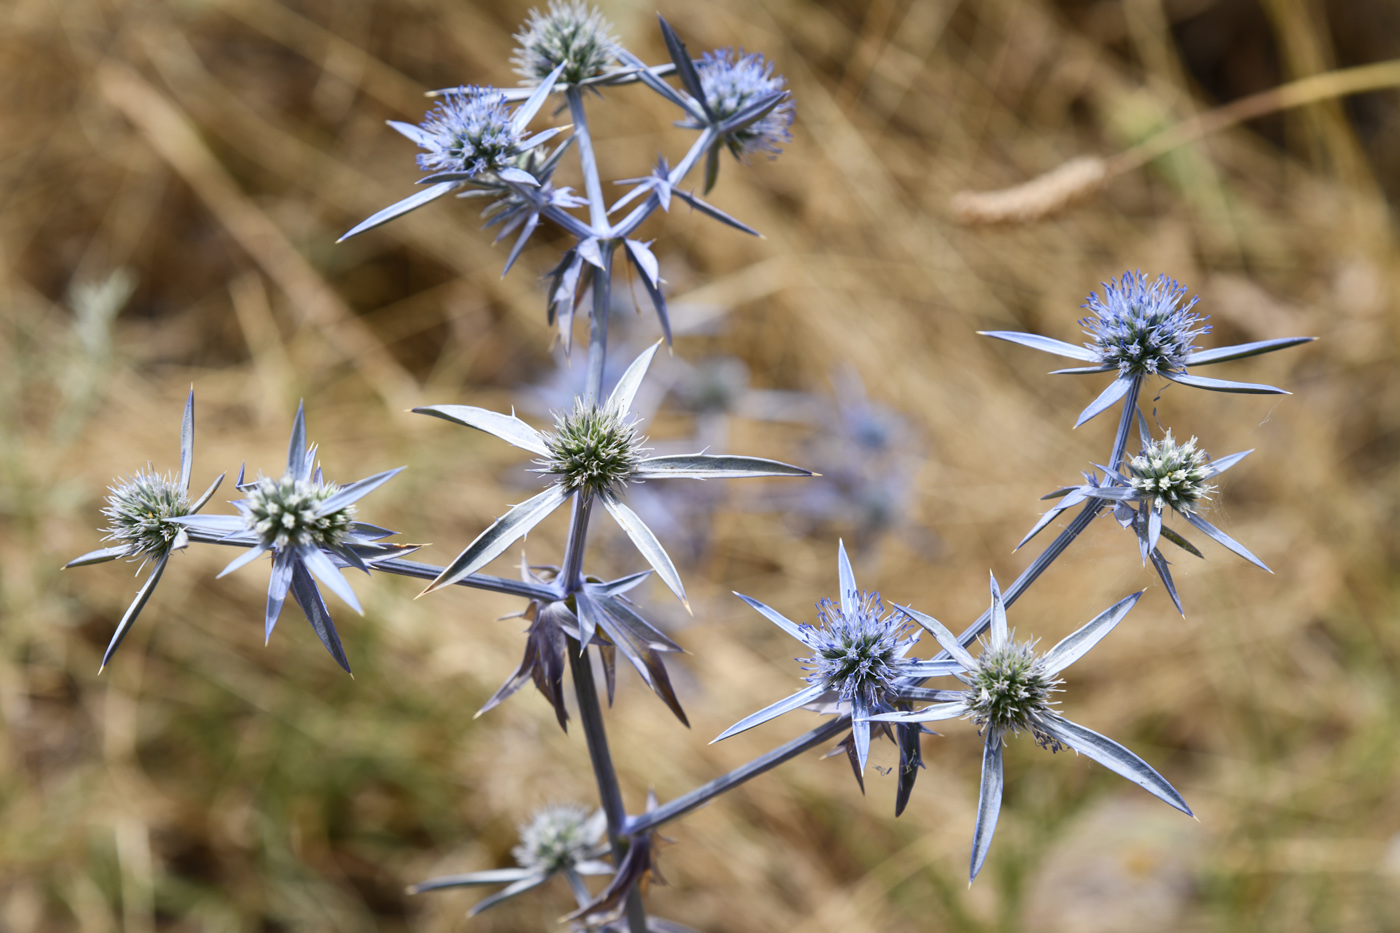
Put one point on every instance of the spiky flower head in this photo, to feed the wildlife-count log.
(573, 34)
(1143, 327)
(1167, 473)
(592, 449)
(1009, 691)
(290, 512)
(732, 81)
(860, 652)
(468, 130)
(558, 837)
(139, 510)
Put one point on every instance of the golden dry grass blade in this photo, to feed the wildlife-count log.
(170, 133)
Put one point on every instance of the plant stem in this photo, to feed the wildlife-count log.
(590, 713)
(572, 572)
(598, 325)
(412, 568)
(597, 210)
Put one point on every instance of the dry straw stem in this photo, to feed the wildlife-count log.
(171, 134)
(1052, 192)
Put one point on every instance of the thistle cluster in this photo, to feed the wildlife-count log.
(292, 512)
(857, 668)
(139, 511)
(595, 450)
(571, 33)
(1009, 691)
(858, 652)
(1142, 328)
(1166, 473)
(734, 81)
(558, 837)
(469, 131)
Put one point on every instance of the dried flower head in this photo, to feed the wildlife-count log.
(571, 33)
(592, 449)
(139, 510)
(733, 82)
(469, 131)
(558, 837)
(1166, 473)
(561, 839)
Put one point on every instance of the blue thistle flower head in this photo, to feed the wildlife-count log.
(732, 82)
(139, 513)
(1168, 473)
(1142, 327)
(291, 512)
(572, 34)
(1010, 690)
(858, 649)
(470, 131)
(558, 837)
(594, 449)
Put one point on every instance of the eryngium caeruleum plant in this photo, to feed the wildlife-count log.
(859, 673)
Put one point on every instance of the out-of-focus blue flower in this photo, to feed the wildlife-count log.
(307, 525)
(734, 83)
(733, 96)
(1141, 328)
(142, 515)
(564, 839)
(1009, 689)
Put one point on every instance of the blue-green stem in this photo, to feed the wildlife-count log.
(592, 186)
(590, 713)
(572, 573)
(702, 795)
(412, 568)
(598, 323)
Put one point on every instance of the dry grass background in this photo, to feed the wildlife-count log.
(216, 148)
